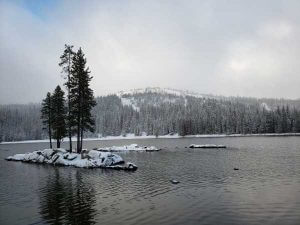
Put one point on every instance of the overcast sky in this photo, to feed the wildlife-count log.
(236, 48)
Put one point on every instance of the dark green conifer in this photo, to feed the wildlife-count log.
(82, 97)
(47, 116)
(66, 60)
(59, 115)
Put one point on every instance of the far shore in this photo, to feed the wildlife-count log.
(133, 137)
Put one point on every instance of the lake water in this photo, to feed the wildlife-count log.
(266, 189)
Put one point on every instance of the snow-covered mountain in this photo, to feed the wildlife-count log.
(135, 96)
(161, 111)
(163, 91)
(154, 96)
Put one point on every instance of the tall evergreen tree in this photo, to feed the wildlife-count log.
(59, 115)
(66, 60)
(82, 97)
(47, 115)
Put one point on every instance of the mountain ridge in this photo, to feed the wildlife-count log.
(157, 111)
(184, 92)
(267, 103)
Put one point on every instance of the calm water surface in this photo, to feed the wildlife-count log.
(266, 189)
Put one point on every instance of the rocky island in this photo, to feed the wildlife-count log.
(87, 159)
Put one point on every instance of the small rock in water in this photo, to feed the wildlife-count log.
(236, 168)
(174, 181)
(131, 166)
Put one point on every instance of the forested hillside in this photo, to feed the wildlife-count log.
(161, 112)
(20, 122)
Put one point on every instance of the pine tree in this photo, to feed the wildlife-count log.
(47, 116)
(270, 122)
(58, 115)
(82, 97)
(297, 121)
(284, 123)
(66, 64)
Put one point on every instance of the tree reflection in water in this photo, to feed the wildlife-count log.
(66, 199)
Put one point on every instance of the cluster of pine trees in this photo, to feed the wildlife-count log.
(61, 118)
(20, 122)
(161, 114)
(154, 114)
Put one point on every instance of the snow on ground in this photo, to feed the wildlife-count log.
(207, 146)
(145, 136)
(87, 159)
(265, 106)
(243, 135)
(132, 147)
(161, 91)
(130, 102)
(132, 136)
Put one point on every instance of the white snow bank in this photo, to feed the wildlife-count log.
(128, 136)
(132, 147)
(87, 159)
(131, 136)
(207, 146)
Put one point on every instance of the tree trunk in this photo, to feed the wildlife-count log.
(78, 138)
(49, 125)
(70, 138)
(81, 137)
(69, 111)
(79, 118)
(50, 135)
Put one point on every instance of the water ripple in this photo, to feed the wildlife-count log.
(266, 189)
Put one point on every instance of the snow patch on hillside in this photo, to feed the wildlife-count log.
(265, 106)
(159, 90)
(165, 95)
(130, 102)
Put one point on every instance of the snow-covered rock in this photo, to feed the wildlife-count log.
(207, 146)
(132, 147)
(129, 166)
(90, 159)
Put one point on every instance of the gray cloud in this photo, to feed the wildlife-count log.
(246, 48)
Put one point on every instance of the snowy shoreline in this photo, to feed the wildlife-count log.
(133, 137)
(207, 146)
(129, 148)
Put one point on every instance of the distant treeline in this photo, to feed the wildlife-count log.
(157, 114)
(21, 122)
(161, 114)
